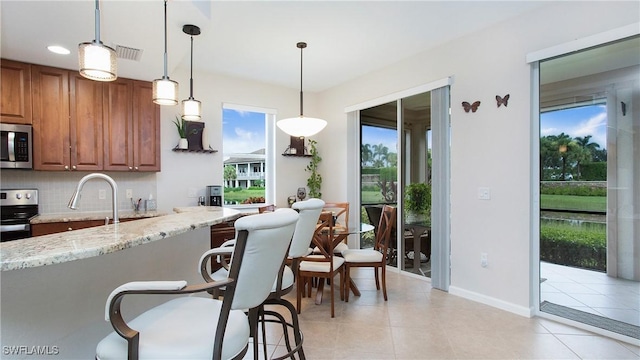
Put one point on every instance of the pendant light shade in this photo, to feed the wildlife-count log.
(301, 126)
(97, 61)
(165, 90)
(191, 108)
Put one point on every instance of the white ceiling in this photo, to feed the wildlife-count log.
(250, 39)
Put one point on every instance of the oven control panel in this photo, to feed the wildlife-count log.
(18, 197)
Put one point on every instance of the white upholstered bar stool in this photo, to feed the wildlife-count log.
(192, 327)
(309, 212)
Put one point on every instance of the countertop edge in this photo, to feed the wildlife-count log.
(85, 243)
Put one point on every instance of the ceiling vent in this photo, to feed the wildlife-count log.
(129, 53)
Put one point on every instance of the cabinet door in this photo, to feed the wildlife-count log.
(85, 125)
(50, 118)
(118, 126)
(146, 128)
(15, 93)
(58, 227)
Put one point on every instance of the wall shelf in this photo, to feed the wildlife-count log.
(205, 151)
(297, 155)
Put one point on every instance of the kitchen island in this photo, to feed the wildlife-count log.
(54, 287)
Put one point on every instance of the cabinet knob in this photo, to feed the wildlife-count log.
(66, 167)
(69, 229)
(73, 167)
(130, 168)
(136, 168)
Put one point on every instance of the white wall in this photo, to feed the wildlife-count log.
(490, 148)
(181, 171)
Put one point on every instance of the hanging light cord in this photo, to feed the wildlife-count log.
(165, 39)
(301, 45)
(97, 40)
(191, 76)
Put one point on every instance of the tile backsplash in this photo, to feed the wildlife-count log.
(56, 188)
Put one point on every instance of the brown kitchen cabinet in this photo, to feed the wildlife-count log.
(132, 134)
(58, 227)
(67, 120)
(219, 234)
(80, 124)
(15, 92)
(41, 229)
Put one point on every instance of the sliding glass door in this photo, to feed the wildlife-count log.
(590, 186)
(396, 167)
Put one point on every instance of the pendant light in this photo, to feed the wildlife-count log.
(165, 90)
(301, 126)
(97, 61)
(191, 108)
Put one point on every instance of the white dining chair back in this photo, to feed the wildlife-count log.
(309, 211)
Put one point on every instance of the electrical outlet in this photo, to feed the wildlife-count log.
(484, 193)
(102, 194)
(192, 192)
(129, 193)
(484, 261)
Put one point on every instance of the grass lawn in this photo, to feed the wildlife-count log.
(572, 202)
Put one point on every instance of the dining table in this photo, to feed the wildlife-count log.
(339, 234)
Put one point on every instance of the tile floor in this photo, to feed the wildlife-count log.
(591, 291)
(423, 323)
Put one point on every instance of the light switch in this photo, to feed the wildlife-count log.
(484, 193)
(102, 194)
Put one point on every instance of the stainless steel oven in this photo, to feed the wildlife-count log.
(18, 207)
(16, 146)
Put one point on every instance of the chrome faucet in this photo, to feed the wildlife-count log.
(73, 202)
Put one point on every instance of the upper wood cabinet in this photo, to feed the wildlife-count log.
(80, 124)
(146, 128)
(15, 92)
(118, 131)
(50, 118)
(67, 120)
(132, 134)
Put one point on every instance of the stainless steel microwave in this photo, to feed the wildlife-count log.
(16, 146)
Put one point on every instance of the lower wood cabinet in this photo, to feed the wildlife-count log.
(58, 227)
(219, 234)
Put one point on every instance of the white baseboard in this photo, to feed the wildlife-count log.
(487, 300)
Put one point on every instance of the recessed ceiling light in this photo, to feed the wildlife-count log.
(58, 50)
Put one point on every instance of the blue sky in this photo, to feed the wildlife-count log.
(375, 135)
(579, 121)
(243, 131)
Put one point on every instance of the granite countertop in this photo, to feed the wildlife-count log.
(85, 216)
(100, 240)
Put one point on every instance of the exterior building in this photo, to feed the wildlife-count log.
(250, 169)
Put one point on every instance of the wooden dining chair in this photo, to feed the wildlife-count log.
(340, 211)
(375, 257)
(266, 208)
(323, 265)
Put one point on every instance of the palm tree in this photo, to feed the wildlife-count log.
(562, 141)
(230, 173)
(380, 154)
(366, 155)
(586, 151)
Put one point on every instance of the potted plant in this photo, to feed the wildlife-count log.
(314, 182)
(417, 200)
(182, 131)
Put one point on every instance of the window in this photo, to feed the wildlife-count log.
(247, 143)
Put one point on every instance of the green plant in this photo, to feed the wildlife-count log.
(181, 126)
(314, 182)
(417, 198)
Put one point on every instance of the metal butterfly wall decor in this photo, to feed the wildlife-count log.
(502, 100)
(473, 107)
